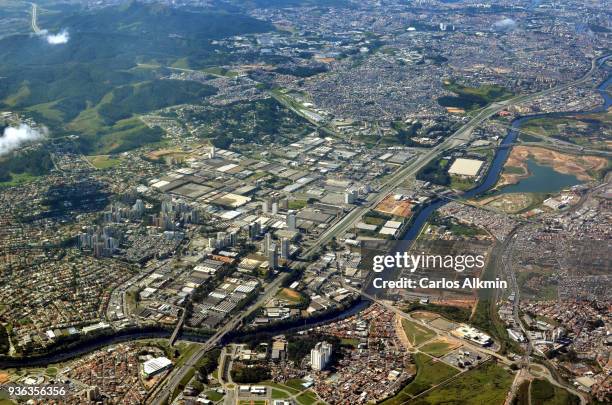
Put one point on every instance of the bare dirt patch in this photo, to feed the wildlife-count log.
(582, 167)
(396, 207)
(511, 203)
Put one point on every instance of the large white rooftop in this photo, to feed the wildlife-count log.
(465, 167)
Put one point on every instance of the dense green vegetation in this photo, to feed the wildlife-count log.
(456, 314)
(124, 101)
(122, 136)
(435, 171)
(544, 393)
(250, 374)
(522, 395)
(302, 71)
(29, 162)
(429, 373)
(470, 98)
(406, 132)
(487, 384)
(300, 346)
(455, 227)
(209, 363)
(4, 340)
(592, 130)
(89, 85)
(258, 121)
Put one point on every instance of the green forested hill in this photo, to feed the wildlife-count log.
(89, 84)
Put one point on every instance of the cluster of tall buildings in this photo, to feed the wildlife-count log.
(223, 239)
(320, 356)
(272, 204)
(102, 242)
(254, 230)
(173, 214)
(119, 213)
(271, 250)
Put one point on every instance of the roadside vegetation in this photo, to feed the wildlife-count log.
(471, 98)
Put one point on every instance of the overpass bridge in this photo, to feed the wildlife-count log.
(178, 327)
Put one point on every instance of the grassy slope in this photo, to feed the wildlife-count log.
(544, 393)
(88, 85)
(416, 333)
(429, 373)
(487, 384)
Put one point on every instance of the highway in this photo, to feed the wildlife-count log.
(34, 23)
(164, 390)
(462, 135)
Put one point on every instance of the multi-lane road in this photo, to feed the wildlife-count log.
(164, 390)
(461, 136)
(34, 22)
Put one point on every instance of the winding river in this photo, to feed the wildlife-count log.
(417, 224)
(501, 156)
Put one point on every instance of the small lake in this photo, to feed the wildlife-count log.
(542, 179)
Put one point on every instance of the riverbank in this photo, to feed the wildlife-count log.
(584, 168)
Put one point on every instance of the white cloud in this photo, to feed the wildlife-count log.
(505, 24)
(14, 137)
(57, 39)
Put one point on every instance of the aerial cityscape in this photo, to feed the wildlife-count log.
(300, 202)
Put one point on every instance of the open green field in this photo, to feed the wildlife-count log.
(470, 98)
(544, 393)
(370, 220)
(437, 348)
(214, 395)
(282, 387)
(103, 161)
(307, 398)
(297, 204)
(51, 371)
(17, 179)
(278, 394)
(349, 342)
(429, 373)
(457, 314)
(487, 384)
(417, 334)
(296, 384)
(186, 350)
(459, 183)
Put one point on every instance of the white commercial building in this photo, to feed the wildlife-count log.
(465, 167)
(156, 365)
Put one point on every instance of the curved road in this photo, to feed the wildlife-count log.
(167, 387)
(462, 135)
(34, 22)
